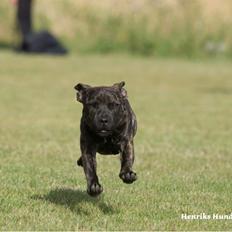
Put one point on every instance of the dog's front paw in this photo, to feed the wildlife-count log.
(128, 177)
(94, 189)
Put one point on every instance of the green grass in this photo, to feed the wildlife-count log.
(180, 28)
(183, 145)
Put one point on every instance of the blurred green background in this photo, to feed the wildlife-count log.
(196, 28)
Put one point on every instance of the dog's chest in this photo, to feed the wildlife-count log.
(108, 146)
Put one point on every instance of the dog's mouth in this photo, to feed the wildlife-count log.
(104, 132)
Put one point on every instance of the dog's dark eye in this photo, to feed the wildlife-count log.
(112, 105)
(94, 104)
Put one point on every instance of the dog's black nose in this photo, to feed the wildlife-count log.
(104, 120)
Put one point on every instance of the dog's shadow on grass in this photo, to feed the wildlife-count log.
(71, 199)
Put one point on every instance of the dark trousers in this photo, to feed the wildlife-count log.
(24, 16)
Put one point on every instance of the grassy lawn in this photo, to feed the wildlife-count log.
(183, 145)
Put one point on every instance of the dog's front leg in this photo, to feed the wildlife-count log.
(127, 160)
(90, 167)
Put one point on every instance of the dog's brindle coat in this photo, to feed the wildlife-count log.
(108, 126)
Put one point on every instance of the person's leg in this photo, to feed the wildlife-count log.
(24, 16)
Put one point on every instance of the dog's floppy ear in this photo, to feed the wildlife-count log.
(121, 89)
(81, 88)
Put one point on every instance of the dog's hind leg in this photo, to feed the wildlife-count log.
(79, 162)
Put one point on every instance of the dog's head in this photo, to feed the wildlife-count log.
(104, 108)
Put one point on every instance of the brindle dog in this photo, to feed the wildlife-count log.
(108, 126)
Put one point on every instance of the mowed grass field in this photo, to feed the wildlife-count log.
(183, 145)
